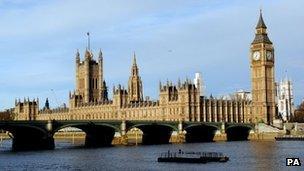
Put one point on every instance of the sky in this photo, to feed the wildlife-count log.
(172, 40)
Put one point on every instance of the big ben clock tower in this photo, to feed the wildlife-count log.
(262, 75)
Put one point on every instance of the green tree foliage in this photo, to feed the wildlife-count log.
(299, 114)
(6, 115)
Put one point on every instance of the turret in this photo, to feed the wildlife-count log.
(47, 104)
(27, 110)
(77, 57)
(134, 71)
(135, 84)
(88, 55)
(77, 69)
(101, 81)
(104, 91)
(87, 76)
(120, 96)
(160, 86)
(189, 96)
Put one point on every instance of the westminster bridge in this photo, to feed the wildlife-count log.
(35, 135)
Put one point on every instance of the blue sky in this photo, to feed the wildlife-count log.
(172, 39)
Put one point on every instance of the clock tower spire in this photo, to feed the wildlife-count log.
(262, 75)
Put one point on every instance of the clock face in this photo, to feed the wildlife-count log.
(269, 55)
(256, 55)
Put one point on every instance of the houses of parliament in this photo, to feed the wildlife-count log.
(181, 101)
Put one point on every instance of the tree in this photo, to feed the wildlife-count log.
(6, 115)
(299, 114)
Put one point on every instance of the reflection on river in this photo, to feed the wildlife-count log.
(249, 155)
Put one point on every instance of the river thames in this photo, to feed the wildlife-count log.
(244, 155)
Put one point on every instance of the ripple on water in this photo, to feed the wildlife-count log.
(252, 155)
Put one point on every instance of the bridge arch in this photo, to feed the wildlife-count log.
(97, 134)
(238, 132)
(26, 137)
(200, 132)
(154, 133)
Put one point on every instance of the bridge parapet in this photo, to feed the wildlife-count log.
(238, 131)
(138, 123)
(82, 124)
(234, 124)
(187, 124)
(154, 132)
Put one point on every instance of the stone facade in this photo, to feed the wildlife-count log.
(180, 102)
(26, 110)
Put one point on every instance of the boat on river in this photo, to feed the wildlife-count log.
(192, 157)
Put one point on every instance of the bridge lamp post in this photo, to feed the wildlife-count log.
(123, 128)
(49, 126)
(180, 127)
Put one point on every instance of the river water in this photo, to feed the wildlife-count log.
(244, 155)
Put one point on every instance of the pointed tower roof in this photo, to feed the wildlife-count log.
(88, 54)
(77, 55)
(261, 32)
(261, 23)
(104, 83)
(134, 68)
(134, 59)
(47, 104)
(160, 85)
(286, 79)
(100, 54)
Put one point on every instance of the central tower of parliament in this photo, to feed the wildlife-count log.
(177, 102)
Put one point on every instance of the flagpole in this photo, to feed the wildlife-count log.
(88, 34)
